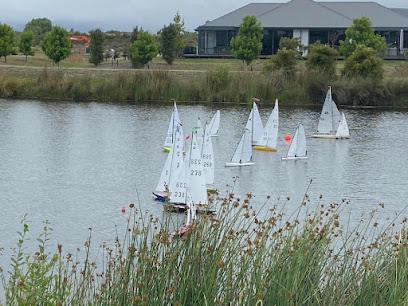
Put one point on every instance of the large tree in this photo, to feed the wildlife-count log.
(39, 26)
(179, 26)
(247, 44)
(6, 40)
(144, 49)
(361, 33)
(96, 46)
(26, 43)
(56, 44)
(169, 43)
(133, 38)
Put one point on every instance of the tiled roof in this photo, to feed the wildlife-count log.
(311, 14)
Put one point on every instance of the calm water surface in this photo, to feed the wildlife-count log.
(77, 164)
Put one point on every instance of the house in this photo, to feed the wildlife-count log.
(308, 20)
(80, 44)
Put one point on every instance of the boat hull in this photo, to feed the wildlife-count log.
(265, 148)
(166, 149)
(324, 136)
(342, 137)
(181, 208)
(161, 196)
(294, 158)
(231, 164)
(212, 189)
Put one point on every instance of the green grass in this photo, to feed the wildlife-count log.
(202, 80)
(239, 257)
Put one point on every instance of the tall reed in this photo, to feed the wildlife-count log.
(217, 85)
(238, 257)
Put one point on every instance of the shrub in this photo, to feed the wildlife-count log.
(363, 63)
(321, 58)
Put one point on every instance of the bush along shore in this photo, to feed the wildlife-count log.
(217, 85)
(239, 257)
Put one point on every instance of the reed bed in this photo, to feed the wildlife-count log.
(238, 257)
(215, 85)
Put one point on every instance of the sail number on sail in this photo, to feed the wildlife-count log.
(196, 172)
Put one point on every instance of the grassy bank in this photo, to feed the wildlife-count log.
(218, 84)
(239, 257)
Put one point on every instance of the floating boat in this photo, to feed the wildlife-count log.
(330, 119)
(297, 149)
(243, 152)
(269, 139)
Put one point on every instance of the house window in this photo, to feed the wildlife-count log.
(278, 34)
(267, 42)
(322, 36)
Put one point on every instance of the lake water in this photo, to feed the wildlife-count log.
(77, 164)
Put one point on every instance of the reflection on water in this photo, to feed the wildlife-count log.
(77, 164)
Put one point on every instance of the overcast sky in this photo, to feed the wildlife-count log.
(85, 15)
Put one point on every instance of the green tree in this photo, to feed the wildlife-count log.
(361, 33)
(26, 43)
(6, 40)
(133, 38)
(180, 41)
(56, 44)
(96, 47)
(169, 43)
(321, 58)
(284, 60)
(364, 63)
(289, 43)
(144, 49)
(247, 44)
(39, 26)
(133, 35)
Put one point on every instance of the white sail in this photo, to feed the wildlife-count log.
(214, 124)
(243, 153)
(330, 116)
(173, 124)
(254, 124)
(200, 133)
(298, 147)
(177, 181)
(270, 132)
(301, 149)
(196, 190)
(208, 158)
(343, 130)
(173, 162)
(178, 189)
(163, 183)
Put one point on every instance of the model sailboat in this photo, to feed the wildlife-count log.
(269, 139)
(172, 167)
(173, 124)
(243, 153)
(254, 123)
(343, 130)
(329, 118)
(214, 124)
(297, 149)
(208, 161)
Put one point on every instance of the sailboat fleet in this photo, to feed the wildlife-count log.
(188, 174)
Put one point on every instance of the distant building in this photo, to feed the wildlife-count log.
(308, 20)
(80, 44)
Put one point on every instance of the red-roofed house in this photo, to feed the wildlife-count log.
(80, 44)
